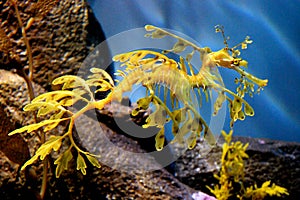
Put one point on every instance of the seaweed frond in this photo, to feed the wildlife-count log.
(233, 171)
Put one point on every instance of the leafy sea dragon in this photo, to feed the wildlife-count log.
(153, 70)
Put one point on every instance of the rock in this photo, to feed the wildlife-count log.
(15, 150)
(197, 166)
(13, 97)
(123, 176)
(61, 34)
(15, 147)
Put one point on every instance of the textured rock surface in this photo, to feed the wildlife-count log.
(130, 180)
(13, 97)
(61, 35)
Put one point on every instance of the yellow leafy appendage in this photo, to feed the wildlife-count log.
(232, 172)
(53, 104)
(155, 71)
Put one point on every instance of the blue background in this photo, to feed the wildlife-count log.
(274, 27)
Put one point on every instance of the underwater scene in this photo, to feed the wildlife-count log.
(189, 99)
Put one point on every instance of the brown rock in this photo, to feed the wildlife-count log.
(60, 33)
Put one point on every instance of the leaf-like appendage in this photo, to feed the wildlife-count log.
(160, 139)
(51, 125)
(179, 115)
(236, 105)
(30, 161)
(70, 82)
(101, 75)
(178, 47)
(248, 110)
(76, 83)
(54, 143)
(219, 102)
(81, 165)
(192, 140)
(157, 33)
(145, 59)
(44, 108)
(257, 81)
(158, 118)
(33, 127)
(241, 115)
(58, 115)
(236, 109)
(209, 136)
(62, 162)
(93, 160)
(64, 98)
(184, 129)
(142, 104)
(104, 85)
(79, 91)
